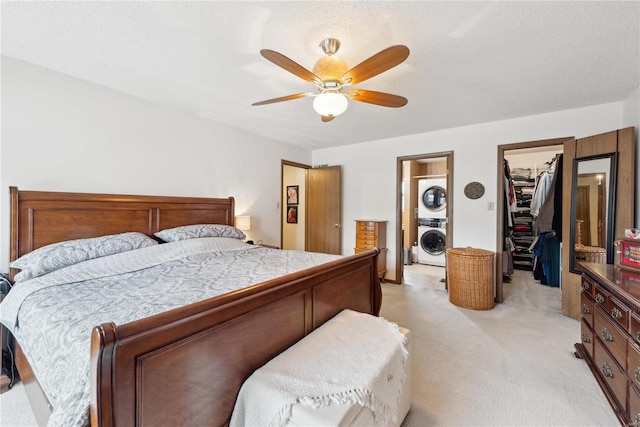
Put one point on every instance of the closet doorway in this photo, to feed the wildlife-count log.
(424, 210)
(529, 160)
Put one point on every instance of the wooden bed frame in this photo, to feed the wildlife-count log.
(185, 366)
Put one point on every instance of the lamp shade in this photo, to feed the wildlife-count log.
(330, 68)
(330, 104)
(243, 222)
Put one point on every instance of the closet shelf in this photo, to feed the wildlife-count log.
(522, 231)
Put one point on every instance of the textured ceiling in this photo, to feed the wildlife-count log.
(470, 62)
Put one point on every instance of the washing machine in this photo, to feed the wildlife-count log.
(432, 198)
(432, 244)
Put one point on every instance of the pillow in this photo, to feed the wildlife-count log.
(199, 230)
(57, 255)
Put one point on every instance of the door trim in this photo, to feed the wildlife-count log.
(448, 155)
(500, 200)
(284, 163)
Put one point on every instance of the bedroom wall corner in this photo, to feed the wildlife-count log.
(631, 117)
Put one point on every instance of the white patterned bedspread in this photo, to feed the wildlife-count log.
(52, 316)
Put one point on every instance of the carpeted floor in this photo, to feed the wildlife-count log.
(510, 366)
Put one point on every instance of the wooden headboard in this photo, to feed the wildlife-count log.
(39, 218)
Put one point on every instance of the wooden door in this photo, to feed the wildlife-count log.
(623, 142)
(583, 209)
(324, 210)
(602, 216)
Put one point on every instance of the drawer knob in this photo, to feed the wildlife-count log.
(599, 299)
(615, 313)
(637, 374)
(585, 286)
(638, 336)
(606, 370)
(585, 338)
(585, 309)
(606, 335)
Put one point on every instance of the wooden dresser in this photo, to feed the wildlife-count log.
(373, 233)
(610, 335)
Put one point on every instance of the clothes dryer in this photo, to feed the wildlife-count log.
(432, 245)
(432, 198)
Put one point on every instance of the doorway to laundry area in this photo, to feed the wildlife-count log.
(424, 214)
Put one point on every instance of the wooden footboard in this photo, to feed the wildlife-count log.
(185, 367)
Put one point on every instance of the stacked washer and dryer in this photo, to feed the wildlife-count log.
(432, 221)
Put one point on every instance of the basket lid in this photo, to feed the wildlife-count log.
(470, 251)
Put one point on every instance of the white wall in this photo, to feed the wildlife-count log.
(63, 134)
(631, 117)
(369, 169)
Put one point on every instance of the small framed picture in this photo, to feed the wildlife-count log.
(292, 194)
(292, 214)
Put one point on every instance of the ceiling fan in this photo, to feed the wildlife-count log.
(331, 76)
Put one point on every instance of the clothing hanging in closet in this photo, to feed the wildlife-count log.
(546, 264)
(509, 207)
(547, 224)
(546, 204)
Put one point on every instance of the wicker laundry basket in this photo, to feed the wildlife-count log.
(470, 274)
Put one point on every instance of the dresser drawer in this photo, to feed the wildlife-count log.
(618, 312)
(365, 243)
(366, 236)
(612, 373)
(586, 337)
(366, 233)
(634, 327)
(611, 335)
(588, 286)
(633, 364)
(634, 405)
(586, 307)
(365, 226)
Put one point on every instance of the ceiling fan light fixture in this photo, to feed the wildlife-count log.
(330, 104)
(330, 68)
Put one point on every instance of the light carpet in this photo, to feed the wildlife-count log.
(510, 366)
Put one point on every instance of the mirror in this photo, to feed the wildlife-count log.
(592, 210)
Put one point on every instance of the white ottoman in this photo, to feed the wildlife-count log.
(353, 415)
(352, 371)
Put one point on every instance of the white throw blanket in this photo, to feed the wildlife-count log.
(352, 358)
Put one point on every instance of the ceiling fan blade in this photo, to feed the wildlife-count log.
(282, 98)
(291, 66)
(378, 63)
(327, 118)
(377, 98)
